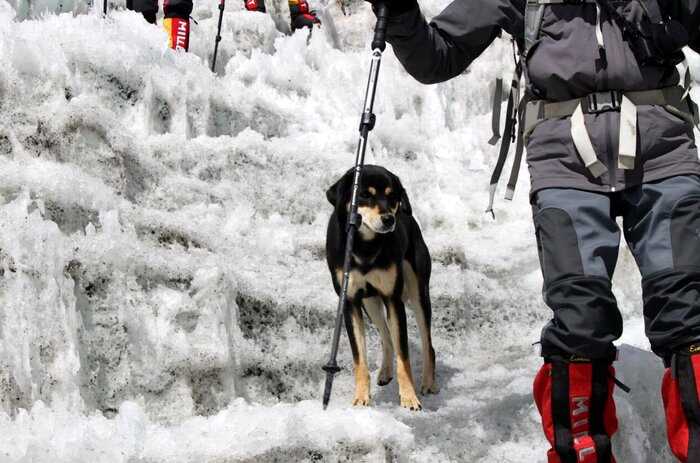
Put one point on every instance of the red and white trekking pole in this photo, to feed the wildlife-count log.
(366, 125)
(222, 5)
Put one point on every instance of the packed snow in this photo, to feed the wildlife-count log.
(163, 289)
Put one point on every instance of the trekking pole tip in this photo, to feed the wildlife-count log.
(331, 369)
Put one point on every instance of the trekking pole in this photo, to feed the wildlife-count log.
(222, 5)
(366, 125)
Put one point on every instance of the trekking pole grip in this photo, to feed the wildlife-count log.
(379, 41)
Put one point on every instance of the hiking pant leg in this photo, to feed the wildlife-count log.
(662, 227)
(141, 6)
(177, 8)
(578, 241)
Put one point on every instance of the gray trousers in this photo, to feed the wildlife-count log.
(578, 240)
(171, 8)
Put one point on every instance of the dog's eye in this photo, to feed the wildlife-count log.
(365, 194)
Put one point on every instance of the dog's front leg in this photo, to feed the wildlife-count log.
(396, 312)
(375, 309)
(355, 325)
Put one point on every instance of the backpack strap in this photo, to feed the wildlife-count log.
(509, 134)
(519, 148)
(496, 113)
(534, 12)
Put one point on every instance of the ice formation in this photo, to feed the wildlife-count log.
(163, 290)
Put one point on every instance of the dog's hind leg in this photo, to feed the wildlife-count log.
(423, 316)
(399, 336)
(418, 297)
(355, 326)
(373, 307)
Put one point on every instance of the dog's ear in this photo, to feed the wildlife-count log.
(332, 193)
(405, 203)
(339, 194)
(405, 206)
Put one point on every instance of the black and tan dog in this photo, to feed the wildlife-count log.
(390, 267)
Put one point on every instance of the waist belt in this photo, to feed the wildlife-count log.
(673, 99)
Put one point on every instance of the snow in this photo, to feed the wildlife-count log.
(163, 290)
(239, 432)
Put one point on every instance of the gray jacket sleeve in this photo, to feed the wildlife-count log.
(444, 48)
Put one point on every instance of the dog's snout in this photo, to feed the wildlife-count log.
(388, 220)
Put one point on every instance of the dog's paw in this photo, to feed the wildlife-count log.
(384, 377)
(361, 400)
(411, 402)
(429, 387)
(381, 381)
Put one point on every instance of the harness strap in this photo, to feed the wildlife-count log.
(627, 149)
(584, 145)
(670, 98)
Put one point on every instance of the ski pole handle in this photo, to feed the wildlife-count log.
(379, 41)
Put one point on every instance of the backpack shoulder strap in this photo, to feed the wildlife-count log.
(534, 12)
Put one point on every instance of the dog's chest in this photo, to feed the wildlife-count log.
(382, 280)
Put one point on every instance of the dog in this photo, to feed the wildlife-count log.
(390, 266)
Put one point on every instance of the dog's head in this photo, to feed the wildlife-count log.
(380, 198)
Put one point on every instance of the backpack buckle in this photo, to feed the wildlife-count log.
(601, 102)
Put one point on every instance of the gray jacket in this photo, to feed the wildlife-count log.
(565, 63)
